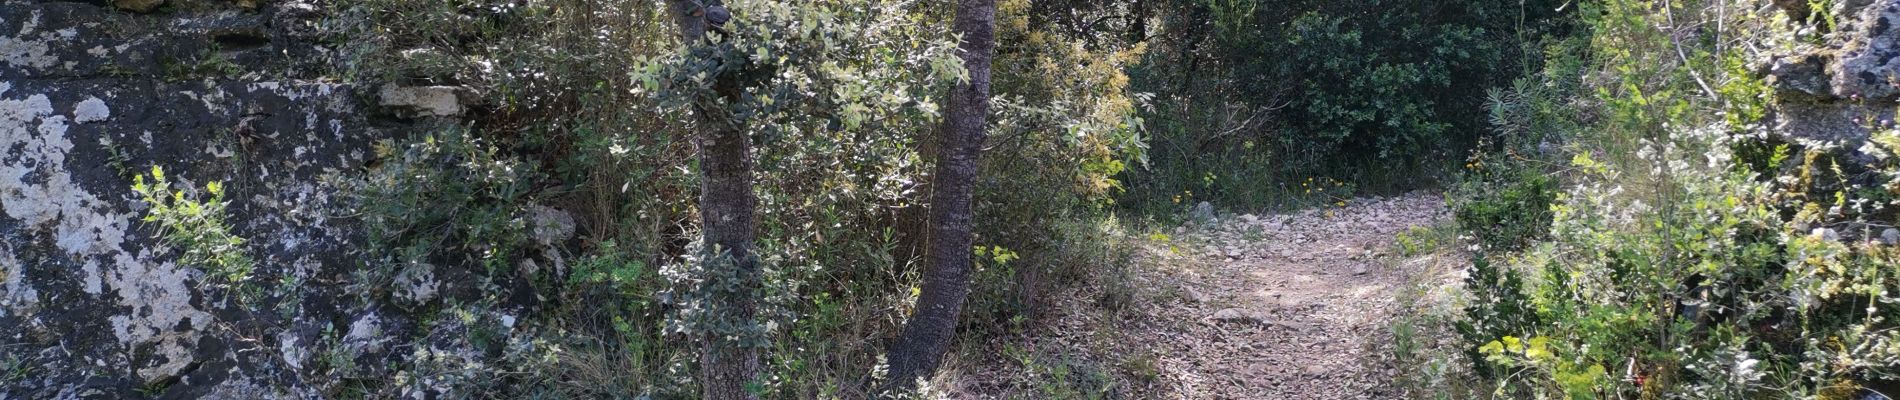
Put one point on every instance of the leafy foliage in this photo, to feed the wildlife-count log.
(581, 103)
(1687, 256)
(448, 199)
(194, 223)
(1253, 96)
(1507, 212)
(1635, 236)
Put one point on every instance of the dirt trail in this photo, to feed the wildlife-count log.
(1292, 306)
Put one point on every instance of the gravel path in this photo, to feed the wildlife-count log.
(1292, 306)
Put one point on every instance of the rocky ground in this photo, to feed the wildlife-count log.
(1293, 306)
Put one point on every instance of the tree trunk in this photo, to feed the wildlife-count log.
(726, 206)
(728, 363)
(946, 281)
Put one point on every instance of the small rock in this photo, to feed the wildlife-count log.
(1317, 370)
(1193, 295)
(424, 101)
(550, 226)
(1235, 315)
(1296, 326)
(528, 267)
(1359, 269)
(416, 283)
(1826, 234)
(1890, 236)
(365, 334)
(1203, 213)
(91, 110)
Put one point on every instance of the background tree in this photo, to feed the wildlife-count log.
(946, 282)
(728, 363)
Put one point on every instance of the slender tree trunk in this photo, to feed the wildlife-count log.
(727, 209)
(946, 281)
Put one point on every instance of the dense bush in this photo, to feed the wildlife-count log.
(1686, 256)
(1252, 97)
(1509, 212)
(1503, 195)
(1064, 128)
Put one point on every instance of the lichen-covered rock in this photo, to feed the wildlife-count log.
(550, 226)
(424, 101)
(1869, 62)
(1801, 77)
(1831, 96)
(89, 97)
(1840, 122)
(71, 225)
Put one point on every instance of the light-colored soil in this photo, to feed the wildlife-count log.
(1293, 306)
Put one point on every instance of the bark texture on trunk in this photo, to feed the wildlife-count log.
(946, 281)
(727, 208)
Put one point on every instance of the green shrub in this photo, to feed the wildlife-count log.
(1252, 97)
(1672, 268)
(581, 103)
(194, 223)
(1054, 375)
(1498, 308)
(1507, 211)
(1011, 283)
(1503, 194)
(447, 199)
(1421, 240)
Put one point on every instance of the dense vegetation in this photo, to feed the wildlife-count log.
(1254, 98)
(1659, 221)
(1636, 226)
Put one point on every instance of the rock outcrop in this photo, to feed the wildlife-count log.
(1839, 91)
(92, 94)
